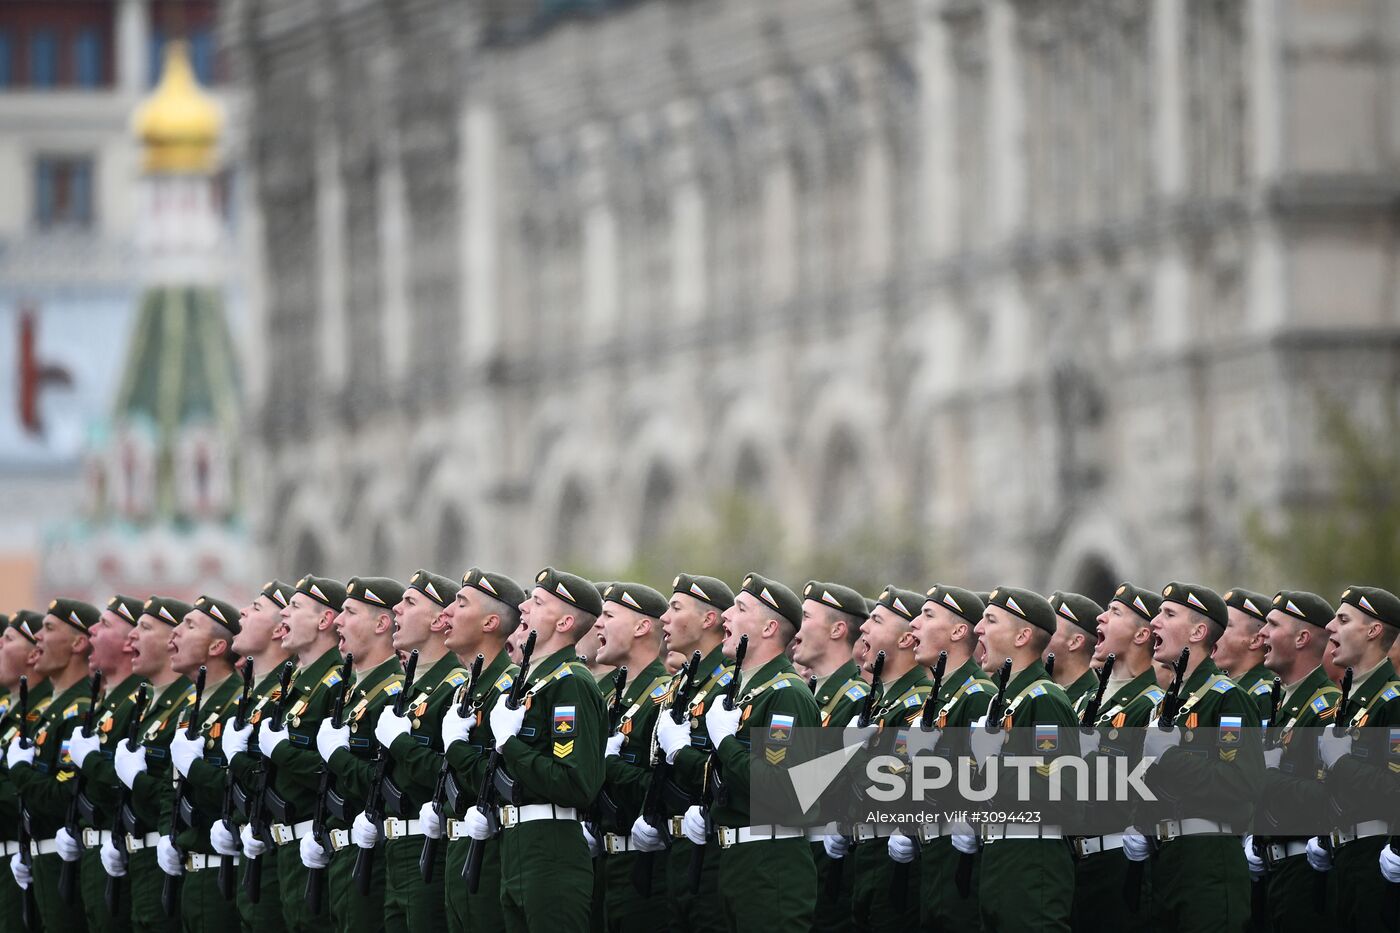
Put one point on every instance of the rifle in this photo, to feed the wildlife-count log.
(1275, 707)
(929, 712)
(1171, 705)
(316, 877)
(812, 684)
(227, 876)
(707, 795)
(428, 858)
(488, 795)
(119, 824)
(867, 713)
(653, 804)
(374, 802)
(615, 708)
(29, 909)
(995, 711)
(1090, 716)
(67, 871)
(1050, 665)
(170, 887)
(257, 822)
(1339, 725)
(899, 879)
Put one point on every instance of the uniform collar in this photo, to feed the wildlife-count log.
(827, 687)
(123, 691)
(378, 674)
(916, 676)
(766, 672)
(637, 685)
(1199, 676)
(547, 665)
(1024, 678)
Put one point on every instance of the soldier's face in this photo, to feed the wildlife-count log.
(1281, 634)
(1348, 633)
(1117, 631)
(745, 617)
(884, 631)
(355, 626)
(543, 611)
(148, 646)
(108, 639)
(15, 650)
(1172, 627)
(997, 631)
(55, 645)
(190, 642)
(1235, 651)
(933, 629)
(617, 629)
(456, 621)
(683, 622)
(813, 635)
(302, 620)
(258, 624)
(413, 620)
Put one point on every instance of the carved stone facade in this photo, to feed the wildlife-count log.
(1057, 287)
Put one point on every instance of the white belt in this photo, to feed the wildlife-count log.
(1195, 826)
(677, 827)
(823, 832)
(198, 861)
(514, 816)
(94, 838)
(457, 829)
(733, 836)
(283, 834)
(613, 843)
(340, 838)
(864, 832)
(9, 848)
(137, 843)
(1278, 851)
(1363, 830)
(999, 831)
(43, 846)
(395, 828)
(1093, 845)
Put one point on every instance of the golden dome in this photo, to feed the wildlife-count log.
(178, 124)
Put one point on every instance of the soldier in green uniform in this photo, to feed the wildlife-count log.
(1240, 651)
(18, 654)
(629, 636)
(366, 629)
(906, 686)
(484, 613)
(766, 877)
(144, 771)
(552, 764)
(693, 622)
(1076, 631)
(831, 619)
(42, 769)
(947, 623)
(1130, 697)
(204, 638)
(1294, 639)
(1363, 762)
(1027, 879)
(1200, 879)
(97, 804)
(289, 747)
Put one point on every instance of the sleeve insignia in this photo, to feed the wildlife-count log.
(661, 690)
(1156, 695)
(1264, 686)
(563, 749)
(564, 722)
(503, 683)
(725, 678)
(972, 688)
(857, 692)
(780, 728)
(71, 711)
(775, 756)
(781, 684)
(1390, 693)
(1039, 691)
(1225, 686)
(457, 678)
(1319, 705)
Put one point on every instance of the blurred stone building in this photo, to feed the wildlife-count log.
(1053, 289)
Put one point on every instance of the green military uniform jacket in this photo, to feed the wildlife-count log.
(354, 767)
(778, 711)
(688, 770)
(1258, 683)
(628, 773)
(1362, 783)
(158, 725)
(243, 769)
(1084, 686)
(1294, 786)
(206, 782)
(298, 773)
(1130, 707)
(469, 759)
(115, 709)
(1033, 699)
(44, 784)
(40, 696)
(418, 755)
(840, 695)
(557, 757)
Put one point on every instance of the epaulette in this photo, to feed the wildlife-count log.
(857, 691)
(1223, 685)
(1319, 705)
(1155, 694)
(503, 683)
(974, 687)
(456, 678)
(660, 690)
(71, 711)
(1390, 692)
(1264, 686)
(332, 677)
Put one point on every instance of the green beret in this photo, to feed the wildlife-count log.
(706, 589)
(964, 602)
(570, 587)
(1144, 602)
(984, 595)
(436, 587)
(167, 610)
(496, 585)
(1024, 604)
(329, 593)
(82, 616)
(224, 613)
(277, 591)
(1309, 607)
(775, 596)
(602, 588)
(904, 603)
(1081, 610)
(28, 622)
(1256, 604)
(1377, 603)
(870, 605)
(1203, 599)
(376, 591)
(128, 607)
(636, 596)
(835, 596)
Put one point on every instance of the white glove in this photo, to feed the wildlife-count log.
(645, 837)
(985, 744)
(456, 728)
(856, 734)
(313, 854)
(505, 722)
(1136, 847)
(253, 847)
(967, 845)
(595, 848)
(390, 726)
(1318, 857)
(1088, 742)
(224, 838)
(235, 740)
(21, 872)
(1331, 746)
(1158, 740)
(80, 746)
(183, 752)
(364, 833)
(1272, 757)
(672, 736)
(902, 848)
(614, 746)
(329, 738)
(168, 858)
(721, 723)
(1257, 868)
(68, 848)
(837, 846)
(1390, 865)
(20, 750)
(113, 861)
(693, 825)
(922, 741)
(432, 824)
(129, 763)
(269, 739)
(478, 824)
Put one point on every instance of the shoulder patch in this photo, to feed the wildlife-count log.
(725, 678)
(913, 699)
(781, 684)
(1038, 691)
(332, 678)
(972, 688)
(503, 682)
(395, 688)
(457, 678)
(857, 692)
(1390, 693)
(1222, 686)
(71, 711)
(566, 671)
(1264, 686)
(1155, 694)
(1319, 705)
(661, 690)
